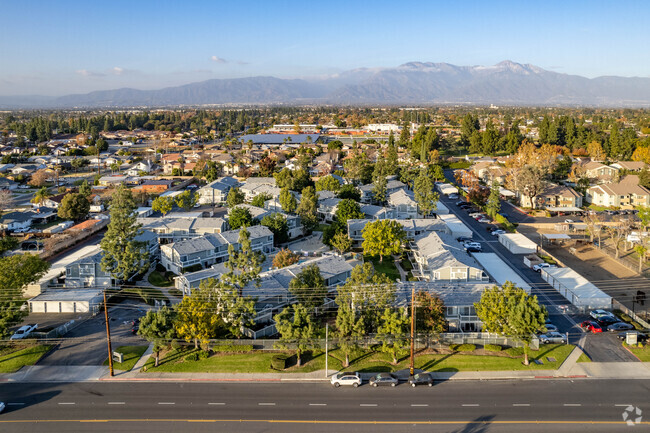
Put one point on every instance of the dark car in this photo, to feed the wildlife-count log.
(421, 379)
(473, 250)
(605, 321)
(619, 326)
(464, 239)
(640, 336)
(503, 214)
(461, 203)
(384, 379)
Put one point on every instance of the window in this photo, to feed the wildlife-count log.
(452, 311)
(465, 311)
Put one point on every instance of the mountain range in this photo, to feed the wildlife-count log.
(506, 83)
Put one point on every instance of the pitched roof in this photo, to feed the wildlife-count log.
(442, 250)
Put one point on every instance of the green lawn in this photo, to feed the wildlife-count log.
(131, 356)
(158, 279)
(13, 361)
(643, 353)
(259, 362)
(584, 358)
(146, 294)
(387, 267)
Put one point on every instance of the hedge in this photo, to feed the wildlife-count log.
(624, 317)
(232, 348)
(204, 354)
(463, 347)
(493, 347)
(279, 362)
(194, 356)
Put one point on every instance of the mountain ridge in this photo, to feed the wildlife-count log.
(426, 83)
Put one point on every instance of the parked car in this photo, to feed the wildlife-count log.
(2, 407)
(591, 326)
(468, 245)
(461, 202)
(498, 232)
(619, 326)
(23, 332)
(476, 214)
(569, 221)
(463, 239)
(383, 379)
(539, 267)
(605, 321)
(552, 337)
(551, 327)
(421, 379)
(473, 250)
(595, 314)
(484, 220)
(453, 196)
(640, 336)
(346, 378)
(503, 214)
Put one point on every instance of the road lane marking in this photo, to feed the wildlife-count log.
(67, 403)
(617, 405)
(166, 402)
(470, 405)
(367, 405)
(317, 404)
(217, 404)
(419, 405)
(572, 404)
(116, 402)
(521, 404)
(266, 404)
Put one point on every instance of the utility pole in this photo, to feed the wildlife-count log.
(327, 328)
(108, 336)
(412, 368)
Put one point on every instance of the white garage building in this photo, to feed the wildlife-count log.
(500, 271)
(576, 288)
(456, 227)
(517, 243)
(67, 301)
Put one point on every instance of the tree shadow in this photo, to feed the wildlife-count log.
(431, 364)
(479, 425)
(29, 400)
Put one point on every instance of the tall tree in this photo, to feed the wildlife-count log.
(162, 204)
(349, 191)
(493, 206)
(327, 183)
(74, 206)
(425, 196)
(430, 313)
(285, 257)
(15, 273)
(393, 332)
(308, 208)
(196, 320)
(41, 195)
(187, 199)
(383, 237)
(277, 223)
(233, 309)
(288, 201)
(84, 189)
(157, 327)
(348, 209)
(260, 199)
(240, 217)
(349, 328)
(295, 326)
(308, 287)
(123, 255)
(531, 183)
(235, 197)
(244, 264)
(341, 242)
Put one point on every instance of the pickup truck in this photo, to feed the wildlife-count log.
(23, 331)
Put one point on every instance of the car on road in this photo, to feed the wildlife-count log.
(474, 245)
(595, 314)
(591, 326)
(619, 326)
(346, 378)
(551, 327)
(503, 214)
(498, 232)
(569, 221)
(421, 379)
(463, 239)
(2, 407)
(539, 267)
(476, 214)
(605, 321)
(461, 202)
(484, 220)
(453, 196)
(552, 337)
(383, 379)
(640, 336)
(23, 331)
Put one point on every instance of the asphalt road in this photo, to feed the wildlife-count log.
(581, 405)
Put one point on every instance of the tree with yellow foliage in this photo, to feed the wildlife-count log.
(642, 154)
(196, 319)
(595, 151)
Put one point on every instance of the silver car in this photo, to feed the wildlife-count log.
(346, 378)
(552, 337)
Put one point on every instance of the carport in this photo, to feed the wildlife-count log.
(554, 238)
(517, 243)
(499, 270)
(576, 288)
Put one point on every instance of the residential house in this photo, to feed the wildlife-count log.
(207, 250)
(156, 187)
(217, 191)
(489, 171)
(255, 186)
(373, 212)
(294, 224)
(554, 197)
(412, 227)
(599, 172)
(327, 209)
(140, 167)
(629, 165)
(87, 272)
(440, 257)
(17, 220)
(177, 228)
(626, 194)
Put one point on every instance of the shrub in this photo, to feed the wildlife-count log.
(493, 347)
(176, 345)
(279, 362)
(204, 354)
(233, 348)
(194, 356)
(515, 351)
(624, 317)
(463, 347)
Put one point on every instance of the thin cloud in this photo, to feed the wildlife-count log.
(241, 62)
(87, 73)
(123, 71)
(218, 59)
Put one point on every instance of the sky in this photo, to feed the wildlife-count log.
(67, 46)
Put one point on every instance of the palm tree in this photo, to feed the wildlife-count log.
(41, 195)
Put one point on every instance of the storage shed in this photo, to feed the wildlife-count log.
(576, 288)
(517, 243)
(67, 301)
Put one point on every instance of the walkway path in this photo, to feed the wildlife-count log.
(403, 276)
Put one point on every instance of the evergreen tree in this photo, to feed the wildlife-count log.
(74, 206)
(296, 328)
(235, 197)
(393, 332)
(157, 327)
(123, 255)
(244, 265)
(84, 188)
(425, 196)
(308, 287)
(493, 206)
(308, 209)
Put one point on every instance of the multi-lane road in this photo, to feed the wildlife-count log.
(473, 406)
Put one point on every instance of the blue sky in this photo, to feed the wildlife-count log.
(61, 47)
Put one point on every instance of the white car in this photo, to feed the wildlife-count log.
(476, 214)
(346, 378)
(485, 220)
(539, 267)
(569, 221)
(468, 245)
(595, 314)
(498, 232)
(453, 196)
(23, 332)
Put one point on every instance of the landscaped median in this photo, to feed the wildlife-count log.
(640, 351)
(13, 358)
(130, 355)
(460, 358)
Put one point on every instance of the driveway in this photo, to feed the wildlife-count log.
(86, 344)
